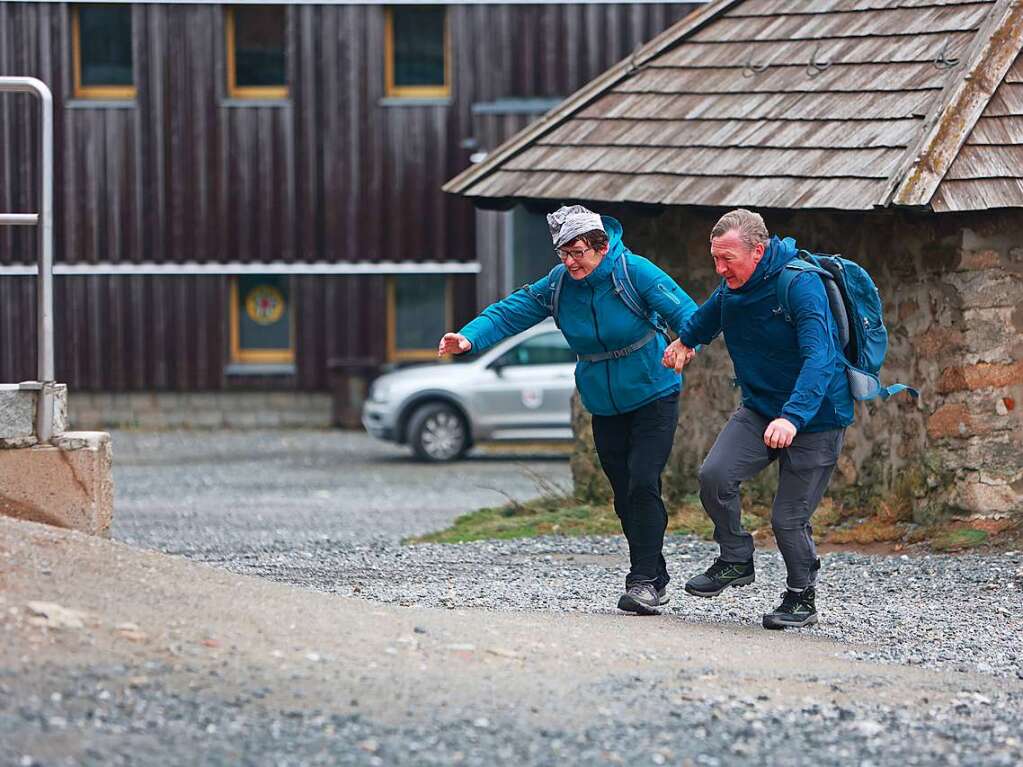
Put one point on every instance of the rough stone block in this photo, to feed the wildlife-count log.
(973, 260)
(937, 341)
(18, 414)
(980, 495)
(68, 484)
(991, 287)
(980, 376)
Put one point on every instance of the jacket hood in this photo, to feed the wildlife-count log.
(778, 253)
(615, 248)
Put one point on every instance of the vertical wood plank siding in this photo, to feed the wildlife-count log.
(183, 174)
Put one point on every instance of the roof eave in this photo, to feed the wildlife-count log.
(915, 181)
(582, 97)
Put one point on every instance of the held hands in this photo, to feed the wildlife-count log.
(779, 433)
(453, 343)
(677, 355)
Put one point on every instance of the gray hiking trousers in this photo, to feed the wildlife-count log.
(805, 468)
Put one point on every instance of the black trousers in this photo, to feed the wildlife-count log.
(633, 449)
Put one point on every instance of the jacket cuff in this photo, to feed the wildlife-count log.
(687, 340)
(468, 337)
(794, 419)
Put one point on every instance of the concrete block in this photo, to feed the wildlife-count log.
(18, 414)
(295, 419)
(267, 419)
(241, 420)
(204, 419)
(68, 484)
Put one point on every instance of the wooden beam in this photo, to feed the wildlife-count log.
(963, 101)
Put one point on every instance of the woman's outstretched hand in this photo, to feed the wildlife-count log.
(453, 343)
(677, 355)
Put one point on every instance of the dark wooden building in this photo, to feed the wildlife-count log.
(249, 196)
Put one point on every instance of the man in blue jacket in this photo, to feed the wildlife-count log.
(609, 304)
(795, 407)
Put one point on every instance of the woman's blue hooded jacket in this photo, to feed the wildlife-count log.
(595, 320)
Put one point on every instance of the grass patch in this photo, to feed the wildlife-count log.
(563, 515)
(959, 540)
(528, 520)
(884, 521)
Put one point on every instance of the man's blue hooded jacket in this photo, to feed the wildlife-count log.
(786, 370)
(594, 320)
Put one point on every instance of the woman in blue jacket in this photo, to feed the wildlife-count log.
(611, 305)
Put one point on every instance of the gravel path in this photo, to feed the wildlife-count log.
(494, 653)
(327, 510)
(152, 723)
(237, 490)
(962, 613)
(173, 663)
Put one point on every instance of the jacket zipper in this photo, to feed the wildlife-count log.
(607, 363)
(667, 292)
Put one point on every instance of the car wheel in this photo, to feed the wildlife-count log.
(437, 432)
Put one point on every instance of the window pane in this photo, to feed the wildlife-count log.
(546, 349)
(418, 46)
(264, 312)
(532, 251)
(104, 37)
(259, 45)
(420, 311)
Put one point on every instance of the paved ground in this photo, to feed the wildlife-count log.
(484, 654)
(237, 491)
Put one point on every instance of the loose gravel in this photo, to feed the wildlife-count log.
(327, 512)
(955, 612)
(149, 722)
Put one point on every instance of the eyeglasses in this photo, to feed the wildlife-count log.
(564, 255)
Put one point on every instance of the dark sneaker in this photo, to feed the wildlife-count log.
(720, 576)
(797, 609)
(643, 599)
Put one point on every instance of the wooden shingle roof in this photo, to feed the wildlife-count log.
(847, 104)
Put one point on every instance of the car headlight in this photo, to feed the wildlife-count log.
(379, 393)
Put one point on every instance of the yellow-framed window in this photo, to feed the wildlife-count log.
(262, 319)
(255, 51)
(419, 312)
(417, 52)
(101, 52)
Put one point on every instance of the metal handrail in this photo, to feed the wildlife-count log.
(44, 221)
(19, 219)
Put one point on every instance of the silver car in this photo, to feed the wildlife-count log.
(518, 390)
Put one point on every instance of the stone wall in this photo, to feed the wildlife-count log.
(191, 410)
(953, 293)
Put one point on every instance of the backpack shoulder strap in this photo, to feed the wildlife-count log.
(555, 280)
(626, 289)
(548, 298)
(789, 272)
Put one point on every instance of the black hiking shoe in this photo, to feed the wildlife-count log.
(797, 609)
(643, 599)
(720, 576)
